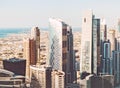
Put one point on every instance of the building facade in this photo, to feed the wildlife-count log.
(90, 45)
(58, 79)
(103, 30)
(9, 80)
(44, 47)
(31, 51)
(61, 45)
(40, 77)
(107, 61)
(93, 81)
(116, 66)
(111, 37)
(29, 54)
(35, 34)
(119, 25)
(16, 65)
(103, 38)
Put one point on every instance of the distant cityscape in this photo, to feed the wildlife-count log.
(88, 57)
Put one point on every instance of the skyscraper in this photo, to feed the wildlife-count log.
(61, 57)
(111, 37)
(107, 60)
(29, 51)
(90, 45)
(29, 54)
(103, 30)
(32, 49)
(116, 66)
(103, 37)
(35, 34)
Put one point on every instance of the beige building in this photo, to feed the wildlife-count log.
(31, 49)
(8, 80)
(40, 77)
(58, 79)
(44, 47)
(90, 45)
(77, 49)
(103, 30)
(29, 54)
(111, 37)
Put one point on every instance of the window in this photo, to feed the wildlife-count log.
(64, 55)
(64, 44)
(84, 20)
(64, 31)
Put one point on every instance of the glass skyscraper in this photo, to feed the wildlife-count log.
(107, 60)
(61, 45)
(90, 46)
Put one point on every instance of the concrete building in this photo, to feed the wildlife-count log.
(16, 65)
(8, 80)
(29, 51)
(111, 37)
(103, 38)
(61, 47)
(44, 47)
(90, 45)
(35, 34)
(29, 54)
(116, 66)
(40, 77)
(91, 81)
(116, 54)
(58, 79)
(32, 50)
(103, 30)
(77, 50)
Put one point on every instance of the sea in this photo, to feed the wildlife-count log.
(4, 32)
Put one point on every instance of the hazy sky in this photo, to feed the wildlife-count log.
(28, 13)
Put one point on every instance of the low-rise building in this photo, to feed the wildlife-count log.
(9, 80)
(92, 81)
(40, 76)
(58, 79)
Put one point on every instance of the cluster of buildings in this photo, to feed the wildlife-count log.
(57, 59)
(59, 70)
(99, 52)
(11, 46)
(13, 74)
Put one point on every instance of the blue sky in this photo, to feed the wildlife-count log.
(28, 13)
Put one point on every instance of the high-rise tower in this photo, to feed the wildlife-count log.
(29, 54)
(103, 30)
(35, 34)
(107, 60)
(90, 43)
(62, 57)
(111, 37)
(32, 49)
